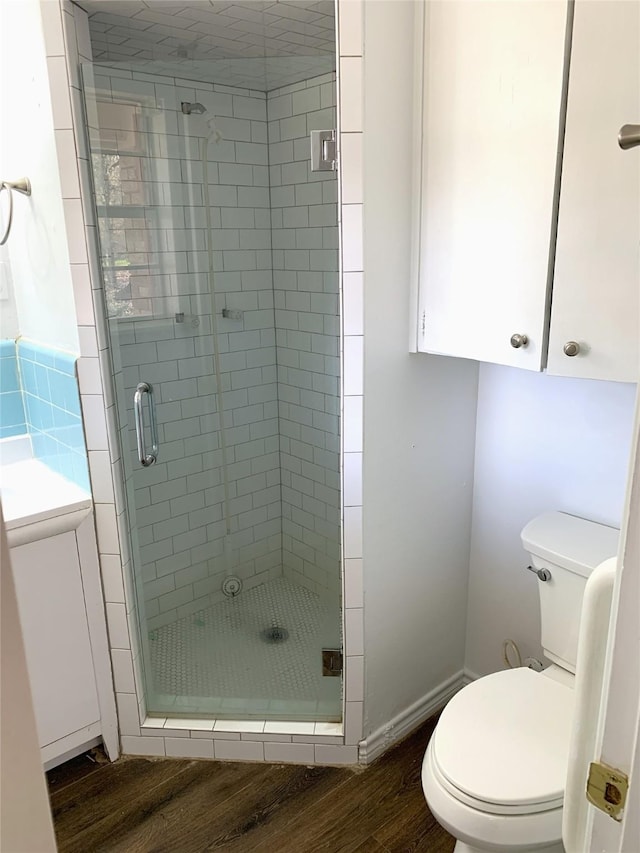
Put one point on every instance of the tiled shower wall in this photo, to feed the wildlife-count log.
(304, 214)
(155, 220)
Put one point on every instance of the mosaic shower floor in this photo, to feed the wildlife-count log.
(218, 660)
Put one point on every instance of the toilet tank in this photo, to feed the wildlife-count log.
(570, 548)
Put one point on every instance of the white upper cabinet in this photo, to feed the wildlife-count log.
(597, 272)
(492, 77)
(526, 227)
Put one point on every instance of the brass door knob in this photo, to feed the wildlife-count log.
(571, 348)
(518, 341)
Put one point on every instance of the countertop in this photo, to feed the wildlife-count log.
(36, 497)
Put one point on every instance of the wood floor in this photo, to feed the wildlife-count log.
(141, 805)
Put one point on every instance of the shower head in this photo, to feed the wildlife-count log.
(188, 108)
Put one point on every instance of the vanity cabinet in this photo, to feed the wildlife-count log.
(495, 187)
(56, 638)
(55, 568)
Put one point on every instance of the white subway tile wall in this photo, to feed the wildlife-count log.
(116, 569)
(304, 216)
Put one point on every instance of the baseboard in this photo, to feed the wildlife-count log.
(470, 676)
(401, 725)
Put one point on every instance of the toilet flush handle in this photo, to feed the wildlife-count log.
(543, 574)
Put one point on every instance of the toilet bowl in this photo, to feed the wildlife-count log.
(493, 774)
(495, 768)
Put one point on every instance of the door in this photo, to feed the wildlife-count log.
(595, 288)
(492, 103)
(619, 742)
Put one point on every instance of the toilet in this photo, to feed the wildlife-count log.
(494, 771)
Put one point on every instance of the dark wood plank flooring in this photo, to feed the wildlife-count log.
(139, 805)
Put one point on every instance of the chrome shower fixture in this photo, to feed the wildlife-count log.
(188, 108)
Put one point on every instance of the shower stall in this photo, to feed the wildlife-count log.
(218, 243)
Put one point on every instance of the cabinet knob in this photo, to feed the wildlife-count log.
(518, 341)
(629, 136)
(571, 348)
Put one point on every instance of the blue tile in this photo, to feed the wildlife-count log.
(16, 429)
(28, 414)
(41, 444)
(7, 349)
(9, 375)
(81, 472)
(52, 408)
(45, 414)
(65, 363)
(63, 463)
(71, 395)
(28, 376)
(42, 382)
(32, 411)
(57, 385)
(62, 419)
(75, 438)
(46, 357)
(12, 409)
(26, 350)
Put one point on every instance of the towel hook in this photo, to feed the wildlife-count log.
(22, 185)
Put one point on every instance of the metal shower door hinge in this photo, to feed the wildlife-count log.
(323, 151)
(332, 662)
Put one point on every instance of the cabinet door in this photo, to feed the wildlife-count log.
(595, 291)
(56, 636)
(492, 100)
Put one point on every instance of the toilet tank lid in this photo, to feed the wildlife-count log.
(570, 542)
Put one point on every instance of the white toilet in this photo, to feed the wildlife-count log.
(494, 771)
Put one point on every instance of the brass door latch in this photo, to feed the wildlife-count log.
(607, 789)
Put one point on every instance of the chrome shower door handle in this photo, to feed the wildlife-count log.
(145, 458)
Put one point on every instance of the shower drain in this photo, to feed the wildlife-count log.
(274, 634)
(231, 586)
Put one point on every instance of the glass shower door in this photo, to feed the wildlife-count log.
(234, 528)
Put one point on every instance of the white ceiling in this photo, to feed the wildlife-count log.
(134, 30)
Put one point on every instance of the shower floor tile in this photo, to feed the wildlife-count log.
(219, 660)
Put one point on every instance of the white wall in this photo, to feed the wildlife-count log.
(37, 246)
(419, 417)
(543, 443)
(8, 310)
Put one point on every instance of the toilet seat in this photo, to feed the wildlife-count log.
(479, 829)
(501, 744)
(483, 805)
